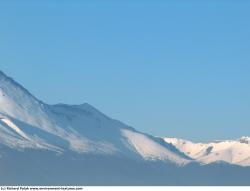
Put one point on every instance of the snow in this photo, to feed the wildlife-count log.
(95, 149)
(27, 122)
(151, 150)
(14, 127)
(18, 103)
(230, 151)
(13, 137)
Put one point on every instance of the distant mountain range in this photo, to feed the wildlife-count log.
(61, 144)
(230, 151)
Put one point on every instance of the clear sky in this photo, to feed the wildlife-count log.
(166, 68)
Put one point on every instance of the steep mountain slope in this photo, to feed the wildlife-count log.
(26, 122)
(231, 151)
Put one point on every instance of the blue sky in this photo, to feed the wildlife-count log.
(166, 68)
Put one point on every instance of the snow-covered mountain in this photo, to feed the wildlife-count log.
(42, 144)
(26, 122)
(230, 151)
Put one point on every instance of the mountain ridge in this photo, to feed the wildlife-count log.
(83, 128)
(42, 144)
(235, 152)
